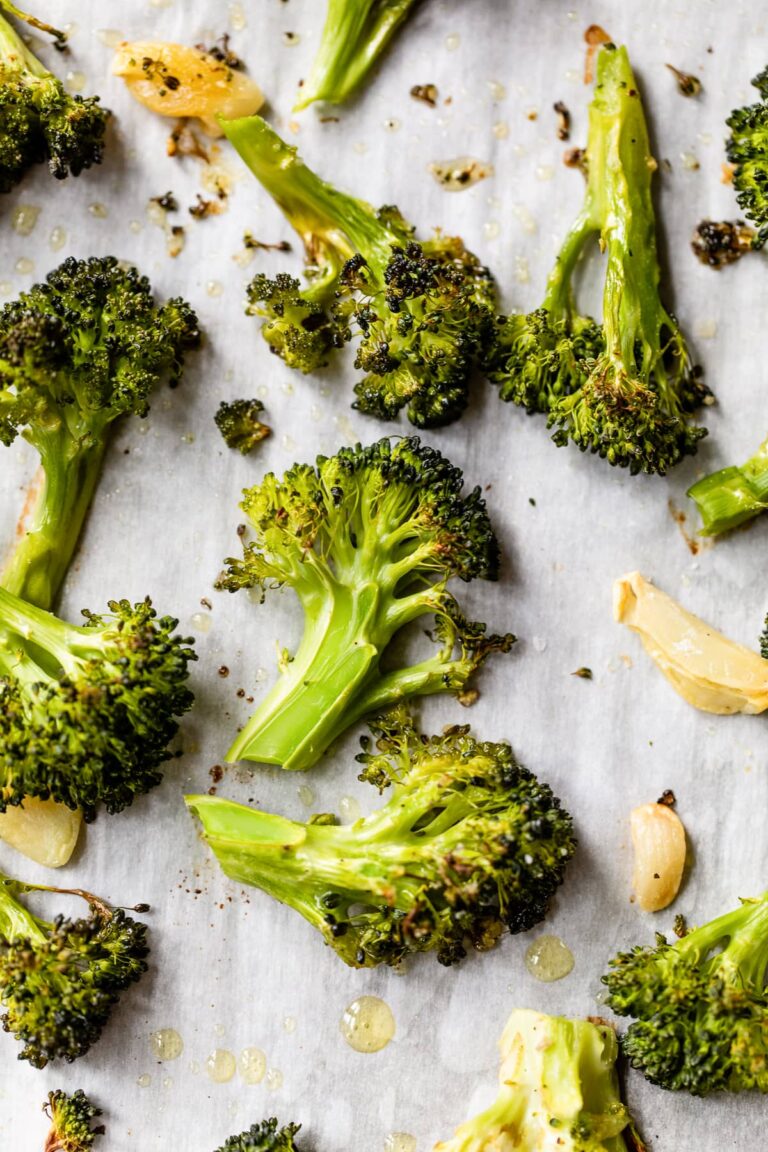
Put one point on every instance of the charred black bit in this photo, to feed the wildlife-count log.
(427, 93)
(204, 208)
(687, 85)
(167, 201)
(563, 121)
(679, 927)
(583, 673)
(222, 52)
(721, 242)
(184, 142)
(667, 798)
(250, 241)
(576, 158)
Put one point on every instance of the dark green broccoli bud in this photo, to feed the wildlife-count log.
(72, 1127)
(699, 1005)
(557, 1088)
(468, 844)
(40, 121)
(60, 980)
(367, 539)
(720, 242)
(764, 641)
(354, 37)
(625, 389)
(77, 352)
(732, 496)
(87, 712)
(422, 312)
(747, 150)
(264, 1137)
(240, 425)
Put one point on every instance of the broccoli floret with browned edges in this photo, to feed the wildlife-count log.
(267, 1136)
(368, 540)
(39, 120)
(72, 1122)
(747, 150)
(60, 979)
(718, 243)
(77, 352)
(239, 422)
(624, 389)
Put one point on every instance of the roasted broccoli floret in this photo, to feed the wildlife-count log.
(355, 35)
(39, 119)
(60, 980)
(558, 1089)
(264, 1137)
(732, 496)
(72, 1127)
(368, 540)
(720, 242)
(699, 1005)
(747, 150)
(469, 843)
(239, 422)
(87, 711)
(421, 311)
(76, 352)
(624, 389)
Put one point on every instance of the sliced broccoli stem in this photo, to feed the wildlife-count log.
(734, 495)
(16, 921)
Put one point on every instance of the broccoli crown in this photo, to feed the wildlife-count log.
(468, 844)
(87, 712)
(625, 389)
(59, 981)
(699, 1004)
(264, 1137)
(40, 120)
(72, 1127)
(557, 1088)
(367, 539)
(747, 149)
(302, 325)
(240, 424)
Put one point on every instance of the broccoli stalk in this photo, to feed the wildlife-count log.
(700, 1004)
(72, 1127)
(558, 1088)
(355, 35)
(264, 1137)
(623, 389)
(367, 539)
(732, 496)
(60, 980)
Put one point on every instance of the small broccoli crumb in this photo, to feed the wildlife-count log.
(687, 85)
(72, 1127)
(240, 424)
(583, 673)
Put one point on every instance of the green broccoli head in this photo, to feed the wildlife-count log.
(239, 422)
(699, 1005)
(72, 1127)
(747, 149)
(264, 1137)
(87, 712)
(60, 980)
(302, 325)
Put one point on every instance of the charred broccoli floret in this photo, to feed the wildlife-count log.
(77, 352)
(468, 844)
(732, 496)
(720, 242)
(421, 311)
(72, 1127)
(747, 150)
(87, 711)
(60, 980)
(699, 1005)
(39, 120)
(368, 540)
(264, 1137)
(239, 422)
(624, 389)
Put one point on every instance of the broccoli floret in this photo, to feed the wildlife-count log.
(367, 539)
(354, 37)
(60, 980)
(558, 1089)
(720, 242)
(732, 496)
(747, 150)
(264, 1137)
(468, 844)
(624, 389)
(240, 424)
(77, 352)
(421, 311)
(700, 1004)
(72, 1127)
(40, 120)
(87, 711)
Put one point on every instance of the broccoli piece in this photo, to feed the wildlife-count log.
(558, 1089)
(77, 352)
(356, 33)
(720, 242)
(624, 389)
(264, 1137)
(87, 711)
(468, 844)
(700, 1004)
(40, 120)
(72, 1128)
(747, 150)
(60, 980)
(732, 496)
(239, 424)
(367, 539)
(421, 311)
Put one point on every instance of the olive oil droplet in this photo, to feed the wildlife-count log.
(368, 1024)
(549, 958)
(166, 1044)
(400, 1142)
(220, 1066)
(253, 1065)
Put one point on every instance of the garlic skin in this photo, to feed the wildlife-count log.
(658, 840)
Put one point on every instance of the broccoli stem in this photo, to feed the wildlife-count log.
(33, 21)
(36, 646)
(745, 954)
(734, 495)
(13, 50)
(16, 922)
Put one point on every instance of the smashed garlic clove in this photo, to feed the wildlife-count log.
(42, 830)
(177, 81)
(658, 839)
(710, 671)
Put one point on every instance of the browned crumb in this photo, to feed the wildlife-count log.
(427, 93)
